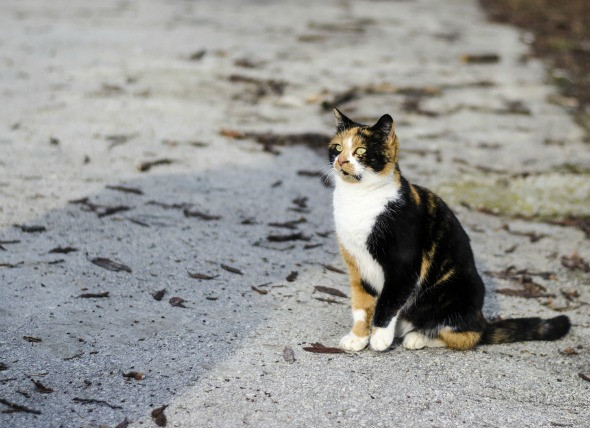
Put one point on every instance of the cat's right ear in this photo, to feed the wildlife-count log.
(342, 122)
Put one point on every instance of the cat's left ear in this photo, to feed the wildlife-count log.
(384, 125)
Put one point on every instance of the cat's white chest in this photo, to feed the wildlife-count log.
(356, 208)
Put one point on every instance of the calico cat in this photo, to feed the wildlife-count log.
(412, 272)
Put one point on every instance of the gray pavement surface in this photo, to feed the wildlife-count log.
(91, 90)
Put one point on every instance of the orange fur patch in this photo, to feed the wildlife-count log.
(414, 194)
(459, 341)
(426, 262)
(445, 277)
(359, 297)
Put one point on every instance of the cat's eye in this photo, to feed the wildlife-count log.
(360, 151)
(338, 148)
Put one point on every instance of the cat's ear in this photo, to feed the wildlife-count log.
(384, 125)
(342, 122)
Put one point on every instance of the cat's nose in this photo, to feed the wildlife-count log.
(342, 161)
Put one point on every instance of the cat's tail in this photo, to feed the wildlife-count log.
(522, 329)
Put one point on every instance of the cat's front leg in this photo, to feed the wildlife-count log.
(363, 306)
(382, 337)
(387, 306)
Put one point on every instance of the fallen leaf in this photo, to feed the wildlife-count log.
(32, 339)
(583, 376)
(198, 214)
(289, 355)
(289, 224)
(126, 189)
(196, 275)
(575, 262)
(533, 236)
(333, 269)
(159, 416)
(332, 301)
(331, 291)
(292, 276)
(258, 290)
(291, 237)
(110, 210)
(177, 302)
(568, 351)
(230, 133)
(41, 388)
(110, 265)
(158, 295)
(197, 55)
(511, 249)
(307, 173)
(147, 165)
(94, 401)
(232, 269)
(123, 424)
(526, 293)
(31, 229)
(318, 348)
(94, 295)
(486, 58)
(14, 408)
(134, 375)
(63, 250)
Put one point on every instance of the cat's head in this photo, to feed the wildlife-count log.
(359, 151)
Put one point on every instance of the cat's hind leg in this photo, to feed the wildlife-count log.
(363, 306)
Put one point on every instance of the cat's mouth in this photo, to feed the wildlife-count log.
(349, 176)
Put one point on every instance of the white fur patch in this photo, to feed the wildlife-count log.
(382, 337)
(359, 315)
(354, 343)
(415, 340)
(356, 207)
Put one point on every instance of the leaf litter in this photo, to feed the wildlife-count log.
(329, 290)
(159, 417)
(318, 348)
(109, 264)
(197, 275)
(231, 269)
(39, 387)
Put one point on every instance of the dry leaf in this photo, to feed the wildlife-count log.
(158, 295)
(331, 291)
(177, 302)
(568, 351)
(231, 269)
(134, 375)
(94, 295)
(159, 416)
(41, 388)
(197, 275)
(318, 348)
(333, 269)
(110, 265)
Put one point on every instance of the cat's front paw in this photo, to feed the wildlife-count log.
(381, 339)
(354, 343)
(414, 340)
